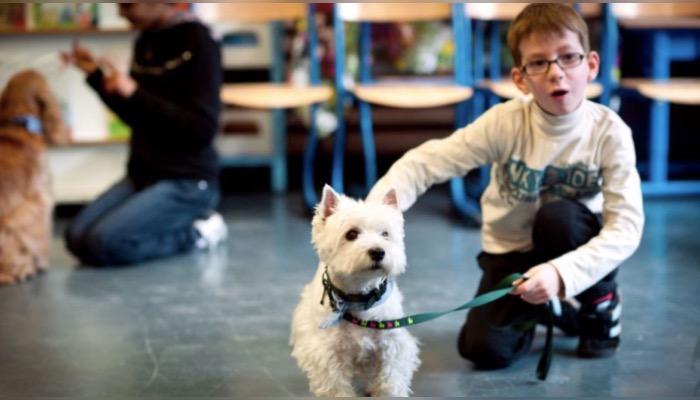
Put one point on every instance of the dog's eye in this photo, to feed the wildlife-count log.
(385, 234)
(351, 235)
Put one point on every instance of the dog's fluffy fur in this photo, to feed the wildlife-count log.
(348, 360)
(26, 203)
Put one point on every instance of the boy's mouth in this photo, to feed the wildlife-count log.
(558, 94)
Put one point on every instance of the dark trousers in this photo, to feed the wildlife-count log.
(559, 227)
(128, 224)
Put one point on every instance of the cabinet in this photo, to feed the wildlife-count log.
(81, 172)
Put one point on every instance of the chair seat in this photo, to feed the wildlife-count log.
(506, 89)
(412, 95)
(273, 95)
(675, 90)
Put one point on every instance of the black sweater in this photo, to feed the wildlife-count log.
(174, 113)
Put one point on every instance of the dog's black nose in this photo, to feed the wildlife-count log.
(376, 254)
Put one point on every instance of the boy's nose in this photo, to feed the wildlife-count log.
(555, 71)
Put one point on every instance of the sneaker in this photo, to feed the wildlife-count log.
(564, 317)
(599, 322)
(212, 230)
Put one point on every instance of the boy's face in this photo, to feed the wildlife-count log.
(142, 15)
(556, 90)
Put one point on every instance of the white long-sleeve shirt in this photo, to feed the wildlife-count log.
(587, 155)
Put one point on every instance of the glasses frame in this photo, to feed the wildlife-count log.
(581, 56)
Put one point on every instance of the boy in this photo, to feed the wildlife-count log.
(171, 101)
(564, 203)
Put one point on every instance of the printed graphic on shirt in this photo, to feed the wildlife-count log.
(160, 70)
(522, 183)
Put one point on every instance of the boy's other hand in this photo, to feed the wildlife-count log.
(117, 82)
(542, 284)
(80, 57)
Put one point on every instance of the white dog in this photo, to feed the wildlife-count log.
(361, 250)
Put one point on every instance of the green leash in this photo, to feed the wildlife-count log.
(502, 289)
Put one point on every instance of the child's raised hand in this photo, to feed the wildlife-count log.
(542, 284)
(115, 81)
(80, 57)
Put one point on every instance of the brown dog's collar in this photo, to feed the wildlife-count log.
(27, 121)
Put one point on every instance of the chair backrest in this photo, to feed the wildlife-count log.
(250, 12)
(645, 16)
(365, 14)
(494, 11)
(508, 11)
(655, 10)
(392, 12)
(274, 14)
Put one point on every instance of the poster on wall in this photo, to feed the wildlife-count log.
(64, 15)
(13, 16)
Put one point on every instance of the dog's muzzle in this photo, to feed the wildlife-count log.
(376, 255)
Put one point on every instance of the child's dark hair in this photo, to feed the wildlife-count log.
(548, 19)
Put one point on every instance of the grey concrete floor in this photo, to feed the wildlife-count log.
(217, 324)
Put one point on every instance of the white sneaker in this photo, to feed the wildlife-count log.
(211, 230)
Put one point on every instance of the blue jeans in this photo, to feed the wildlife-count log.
(127, 225)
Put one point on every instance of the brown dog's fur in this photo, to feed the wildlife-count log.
(26, 204)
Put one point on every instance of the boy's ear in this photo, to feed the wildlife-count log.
(518, 78)
(593, 60)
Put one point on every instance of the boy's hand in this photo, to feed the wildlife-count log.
(80, 57)
(117, 82)
(542, 285)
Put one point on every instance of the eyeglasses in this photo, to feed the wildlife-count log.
(539, 67)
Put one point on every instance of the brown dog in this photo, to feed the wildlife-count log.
(29, 119)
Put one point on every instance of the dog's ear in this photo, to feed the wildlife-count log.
(55, 130)
(391, 199)
(329, 202)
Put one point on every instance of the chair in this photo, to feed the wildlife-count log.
(672, 32)
(405, 92)
(277, 95)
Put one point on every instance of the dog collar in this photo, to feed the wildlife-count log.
(27, 121)
(342, 302)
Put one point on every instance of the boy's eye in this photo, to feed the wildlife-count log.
(570, 57)
(352, 234)
(536, 64)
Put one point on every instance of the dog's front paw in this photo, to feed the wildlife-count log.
(390, 392)
(11, 278)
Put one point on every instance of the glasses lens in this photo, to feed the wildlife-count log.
(570, 60)
(536, 67)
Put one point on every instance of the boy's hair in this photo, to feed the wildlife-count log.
(548, 19)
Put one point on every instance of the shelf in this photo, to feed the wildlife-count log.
(97, 142)
(67, 32)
